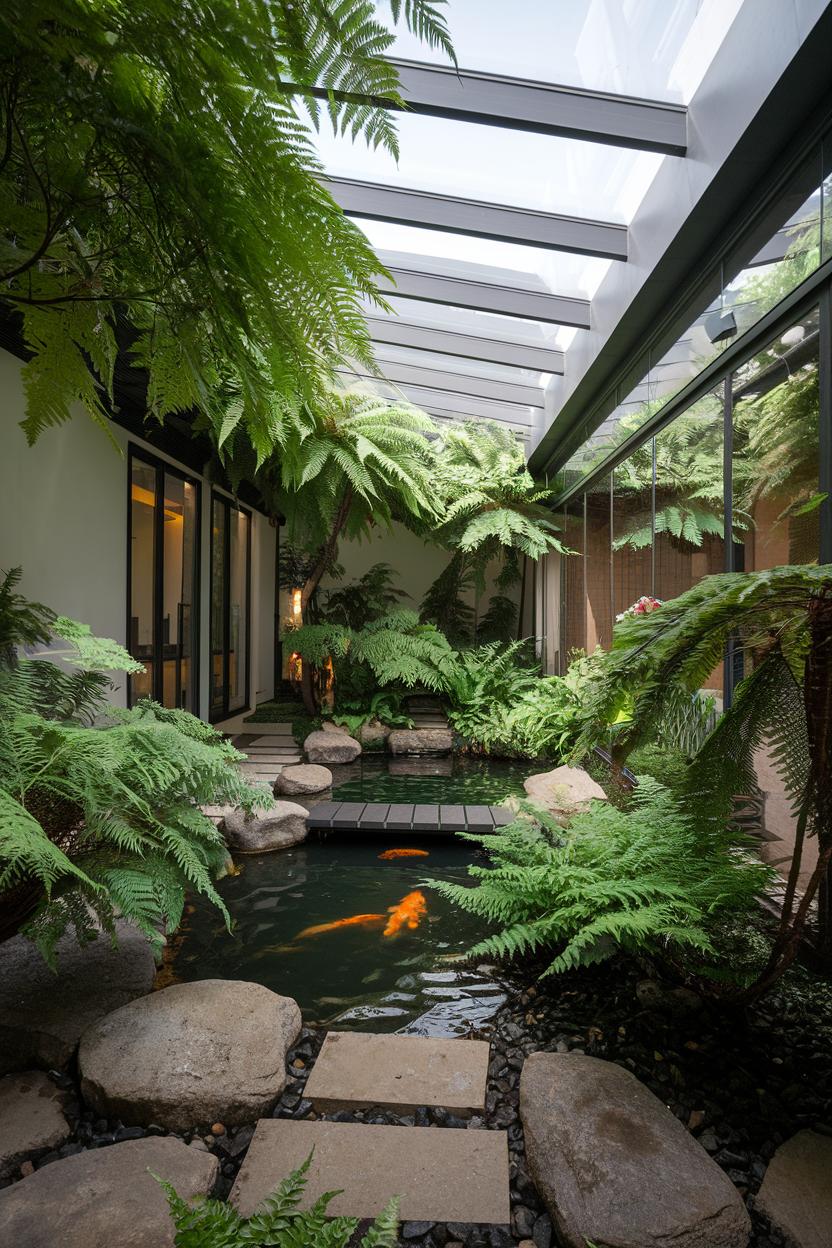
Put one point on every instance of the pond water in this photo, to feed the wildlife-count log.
(392, 968)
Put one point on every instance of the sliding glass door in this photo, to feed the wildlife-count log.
(230, 606)
(163, 579)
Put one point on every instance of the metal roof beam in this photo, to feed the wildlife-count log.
(544, 108)
(397, 332)
(432, 398)
(469, 384)
(504, 223)
(479, 296)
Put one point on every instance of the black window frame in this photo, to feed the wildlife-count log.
(225, 712)
(162, 466)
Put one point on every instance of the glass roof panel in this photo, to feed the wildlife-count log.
(500, 166)
(656, 49)
(563, 274)
(459, 365)
(466, 321)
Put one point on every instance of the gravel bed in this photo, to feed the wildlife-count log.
(743, 1083)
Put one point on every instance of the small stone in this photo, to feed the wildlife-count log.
(218, 1129)
(31, 1118)
(697, 1117)
(415, 1230)
(26, 1169)
(299, 1064)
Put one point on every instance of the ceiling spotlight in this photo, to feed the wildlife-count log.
(720, 326)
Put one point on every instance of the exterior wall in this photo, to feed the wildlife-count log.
(63, 518)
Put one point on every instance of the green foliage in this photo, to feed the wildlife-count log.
(499, 622)
(502, 707)
(348, 462)
(444, 605)
(103, 820)
(368, 598)
(277, 1222)
(135, 217)
(396, 650)
(385, 706)
(651, 879)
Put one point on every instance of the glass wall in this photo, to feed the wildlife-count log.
(776, 453)
(163, 580)
(230, 606)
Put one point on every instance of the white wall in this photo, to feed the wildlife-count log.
(63, 518)
(416, 562)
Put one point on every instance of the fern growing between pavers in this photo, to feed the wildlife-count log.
(650, 879)
(277, 1223)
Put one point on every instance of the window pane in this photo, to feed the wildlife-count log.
(573, 600)
(689, 519)
(142, 577)
(632, 542)
(178, 614)
(238, 610)
(599, 614)
(218, 591)
(776, 451)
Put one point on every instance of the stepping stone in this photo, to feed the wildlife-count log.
(190, 1055)
(279, 826)
(615, 1167)
(42, 1015)
(356, 1068)
(105, 1197)
(31, 1118)
(796, 1195)
(441, 1175)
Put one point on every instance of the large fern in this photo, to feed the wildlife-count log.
(277, 1222)
(650, 879)
(779, 623)
(100, 806)
(161, 204)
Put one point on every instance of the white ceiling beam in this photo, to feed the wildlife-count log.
(398, 332)
(504, 223)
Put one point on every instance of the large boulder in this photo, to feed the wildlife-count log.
(565, 791)
(280, 826)
(330, 746)
(615, 1167)
(796, 1195)
(192, 1054)
(420, 741)
(303, 778)
(105, 1196)
(31, 1118)
(42, 1014)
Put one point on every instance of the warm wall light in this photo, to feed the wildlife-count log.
(297, 596)
(295, 666)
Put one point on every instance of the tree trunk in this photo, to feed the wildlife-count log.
(325, 556)
(817, 693)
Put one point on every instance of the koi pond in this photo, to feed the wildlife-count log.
(348, 928)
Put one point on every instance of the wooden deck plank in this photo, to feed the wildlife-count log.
(452, 818)
(400, 817)
(374, 818)
(348, 815)
(425, 817)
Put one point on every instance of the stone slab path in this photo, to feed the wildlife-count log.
(441, 1174)
(406, 817)
(267, 754)
(360, 1069)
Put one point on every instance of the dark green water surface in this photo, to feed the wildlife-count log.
(354, 975)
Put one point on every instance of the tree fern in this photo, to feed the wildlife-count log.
(278, 1221)
(780, 622)
(136, 223)
(649, 879)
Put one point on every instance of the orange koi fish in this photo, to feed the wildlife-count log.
(403, 853)
(408, 913)
(356, 920)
